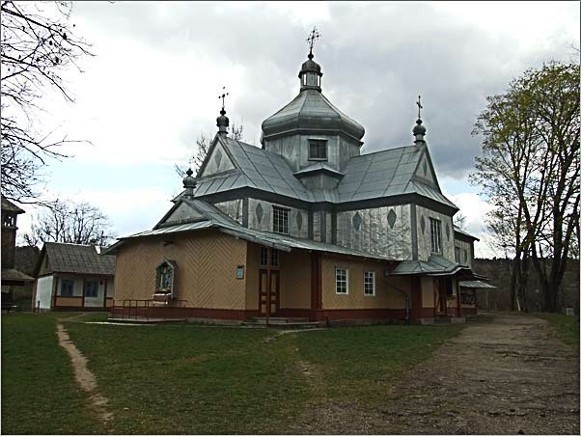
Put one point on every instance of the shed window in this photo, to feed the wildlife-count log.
(67, 288)
(436, 234)
(342, 280)
(280, 220)
(91, 289)
(317, 149)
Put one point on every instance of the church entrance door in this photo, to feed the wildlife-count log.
(440, 293)
(269, 292)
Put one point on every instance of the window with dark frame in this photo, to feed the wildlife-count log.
(369, 283)
(342, 280)
(67, 288)
(317, 149)
(91, 289)
(264, 260)
(436, 234)
(457, 254)
(280, 220)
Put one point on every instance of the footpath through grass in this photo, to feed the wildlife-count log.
(39, 394)
(188, 379)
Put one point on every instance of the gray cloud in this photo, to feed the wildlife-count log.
(376, 58)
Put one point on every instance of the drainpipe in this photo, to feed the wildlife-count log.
(407, 301)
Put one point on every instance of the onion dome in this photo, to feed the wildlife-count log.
(222, 122)
(419, 131)
(189, 183)
(311, 111)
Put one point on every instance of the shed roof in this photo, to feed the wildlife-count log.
(8, 206)
(435, 266)
(77, 259)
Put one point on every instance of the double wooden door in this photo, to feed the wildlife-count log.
(269, 291)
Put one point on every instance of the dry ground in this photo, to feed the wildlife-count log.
(509, 376)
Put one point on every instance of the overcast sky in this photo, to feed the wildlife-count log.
(152, 87)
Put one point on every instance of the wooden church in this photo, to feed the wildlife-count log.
(305, 226)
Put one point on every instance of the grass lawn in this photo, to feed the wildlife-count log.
(567, 327)
(185, 378)
(39, 394)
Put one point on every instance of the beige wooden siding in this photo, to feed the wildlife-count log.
(295, 278)
(386, 297)
(427, 292)
(206, 269)
(252, 259)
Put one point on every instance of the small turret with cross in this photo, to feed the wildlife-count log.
(222, 121)
(419, 131)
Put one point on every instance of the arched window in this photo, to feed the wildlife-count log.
(165, 278)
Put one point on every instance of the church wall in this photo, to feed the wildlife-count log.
(465, 252)
(206, 269)
(375, 234)
(298, 227)
(317, 225)
(218, 162)
(424, 235)
(295, 149)
(232, 208)
(252, 280)
(427, 291)
(386, 297)
(295, 280)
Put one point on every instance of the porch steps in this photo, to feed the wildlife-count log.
(283, 322)
(441, 320)
(143, 320)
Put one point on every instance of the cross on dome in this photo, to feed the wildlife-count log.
(311, 40)
(223, 96)
(420, 107)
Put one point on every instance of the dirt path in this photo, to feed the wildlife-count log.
(83, 376)
(509, 376)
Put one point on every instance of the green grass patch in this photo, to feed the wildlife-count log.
(188, 379)
(567, 327)
(39, 394)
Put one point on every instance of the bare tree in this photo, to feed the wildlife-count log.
(37, 45)
(460, 220)
(201, 150)
(76, 223)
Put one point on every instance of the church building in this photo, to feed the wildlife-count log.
(305, 226)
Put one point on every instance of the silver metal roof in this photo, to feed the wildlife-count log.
(435, 266)
(476, 284)
(313, 111)
(255, 168)
(374, 175)
(214, 218)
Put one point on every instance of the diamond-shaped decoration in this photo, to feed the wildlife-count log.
(391, 217)
(259, 212)
(357, 220)
(425, 168)
(299, 220)
(447, 231)
(218, 158)
(423, 224)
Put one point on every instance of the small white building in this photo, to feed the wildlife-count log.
(73, 277)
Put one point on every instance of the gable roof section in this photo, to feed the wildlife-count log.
(218, 220)
(254, 168)
(77, 259)
(387, 173)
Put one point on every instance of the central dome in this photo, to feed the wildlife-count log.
(311, 111)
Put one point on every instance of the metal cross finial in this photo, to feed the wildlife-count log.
(223, 96)
(420, 107)
(312, 38)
